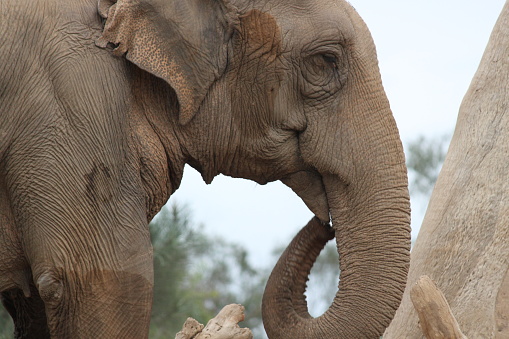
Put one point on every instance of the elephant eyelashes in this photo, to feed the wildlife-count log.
(330, 59)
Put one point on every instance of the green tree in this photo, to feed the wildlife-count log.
(196, 275)
(174, 242)
(6, 325)
(425, 157)
(323, 280)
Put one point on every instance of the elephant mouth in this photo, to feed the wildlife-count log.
(308, 185)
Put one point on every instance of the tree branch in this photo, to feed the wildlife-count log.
(435, 315)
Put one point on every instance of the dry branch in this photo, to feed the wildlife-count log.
(435, 316)
(223, 326)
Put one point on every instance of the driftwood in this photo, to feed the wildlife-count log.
(435, 316)
(223, 326)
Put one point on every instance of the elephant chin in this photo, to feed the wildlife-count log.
(308, 185)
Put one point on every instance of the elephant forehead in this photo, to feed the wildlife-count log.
(305, 20)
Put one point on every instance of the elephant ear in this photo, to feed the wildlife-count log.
(182, 42)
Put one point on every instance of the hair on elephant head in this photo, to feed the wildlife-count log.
(119, 96)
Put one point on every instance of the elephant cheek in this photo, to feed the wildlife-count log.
(309, 187)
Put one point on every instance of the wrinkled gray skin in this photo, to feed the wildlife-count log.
(101, 105)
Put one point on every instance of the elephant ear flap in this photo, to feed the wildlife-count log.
(188, 52)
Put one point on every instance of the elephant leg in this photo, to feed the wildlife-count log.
(86, 239)
(16, 283)
(28, 313)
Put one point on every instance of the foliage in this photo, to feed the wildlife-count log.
(196, 275)
(425, 157)
(6, 325)
(174, 242)
(323, 280)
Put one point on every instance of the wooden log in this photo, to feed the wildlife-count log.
(435, 315)
(190, 329)
(223, 326)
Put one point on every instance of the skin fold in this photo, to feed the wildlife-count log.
(102, 105)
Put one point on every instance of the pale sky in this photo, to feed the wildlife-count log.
(428, 53)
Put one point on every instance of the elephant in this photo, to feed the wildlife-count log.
(102, 103)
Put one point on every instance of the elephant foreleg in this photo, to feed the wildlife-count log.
(18, 293)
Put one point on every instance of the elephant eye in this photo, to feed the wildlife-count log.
(322, 62)
(330, 59)
(324, 72)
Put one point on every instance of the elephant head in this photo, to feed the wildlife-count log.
(290, 91)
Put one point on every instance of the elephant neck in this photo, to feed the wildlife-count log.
(209, 143)
(156, 138)
(210, 140)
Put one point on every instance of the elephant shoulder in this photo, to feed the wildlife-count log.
(39, 26)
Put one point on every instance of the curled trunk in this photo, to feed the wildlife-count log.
(374, 249)
(296, 263)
